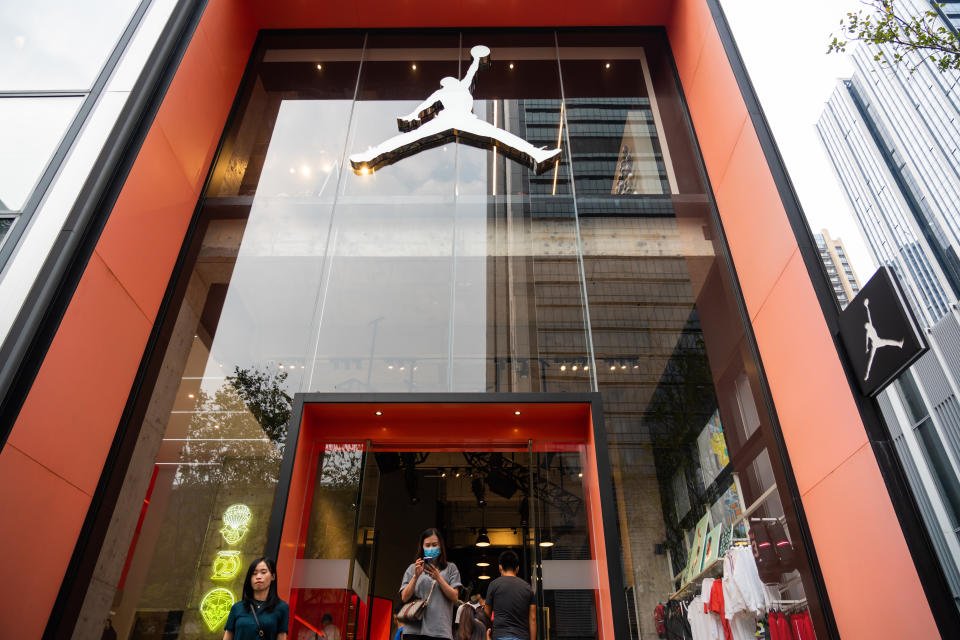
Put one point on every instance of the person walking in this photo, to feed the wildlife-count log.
(330, 630)
(260, 613)
(429, 571)
(511, 603)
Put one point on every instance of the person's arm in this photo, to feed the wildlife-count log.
(282, 636)
(533, 622)
(448, 591)
(407, 591)
(228, 635)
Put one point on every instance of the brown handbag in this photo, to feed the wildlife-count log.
(413, 610)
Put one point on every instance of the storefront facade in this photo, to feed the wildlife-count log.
(269, 347)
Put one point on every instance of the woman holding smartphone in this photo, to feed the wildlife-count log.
(431, 570)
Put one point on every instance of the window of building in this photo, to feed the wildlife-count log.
(455, 269)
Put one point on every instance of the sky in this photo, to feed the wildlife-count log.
(783, 44)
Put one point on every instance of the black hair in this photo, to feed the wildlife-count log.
(509, 560)
(441, 560)
(326, 617)
(272, 598)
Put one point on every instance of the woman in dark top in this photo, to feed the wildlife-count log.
(261, 613)
(431, 570)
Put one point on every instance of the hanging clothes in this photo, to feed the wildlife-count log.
(802, 626)
(716, 605)
(745, 576)
(705, 626)
(741, 622)
(779, 626)
(677, 626)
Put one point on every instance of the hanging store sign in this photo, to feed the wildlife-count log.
(446, 116)
(879, 333)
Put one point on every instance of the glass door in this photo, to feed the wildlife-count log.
(563, 562)
(336, 550)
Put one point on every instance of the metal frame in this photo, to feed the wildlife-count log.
(608, 505)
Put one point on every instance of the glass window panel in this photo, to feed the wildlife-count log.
(5, 224)
(58, 44)
(30, 129)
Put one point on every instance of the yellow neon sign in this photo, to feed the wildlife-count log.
(236, 520)
(215, 607)
(226, 565)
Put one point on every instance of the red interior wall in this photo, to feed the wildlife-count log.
(859, 543)
(60, 441)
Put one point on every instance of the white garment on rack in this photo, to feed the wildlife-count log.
(743, 626)
(703, 625)
(747, 579)
(743, 623)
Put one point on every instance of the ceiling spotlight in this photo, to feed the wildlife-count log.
(483, 577)
(511, 65)
(546, 543)
(190, 395)
(586, 368)
(563, 367)
(319, 67)
(580, 474)
(483, 540)
(574, 367)
(623, 366)
(378, 413)
(516, 413)
(483, 562)
(613, 367)
(606, 66)
(413, 66)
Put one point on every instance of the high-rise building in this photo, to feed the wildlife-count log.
(893, 135)
(839, 270)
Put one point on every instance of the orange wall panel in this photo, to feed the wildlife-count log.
(820, 423)
(873, 584)
(755, 223)
(70, 417)
(53, 510)
(141, 239)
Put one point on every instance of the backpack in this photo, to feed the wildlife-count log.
(660, 620)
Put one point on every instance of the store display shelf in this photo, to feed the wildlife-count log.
(712, 570)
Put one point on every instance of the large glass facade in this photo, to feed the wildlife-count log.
(457, 269)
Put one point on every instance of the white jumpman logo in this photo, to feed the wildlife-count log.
(874, 341)
(446, 115)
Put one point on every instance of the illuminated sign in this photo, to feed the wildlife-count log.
(215, 607)
(235, 523)
(226, 565)
(447, 115)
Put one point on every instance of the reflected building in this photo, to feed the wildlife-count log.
(239, 345)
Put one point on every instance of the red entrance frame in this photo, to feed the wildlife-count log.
(455, 421)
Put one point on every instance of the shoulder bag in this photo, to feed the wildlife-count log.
(253, 610)
(413, 610)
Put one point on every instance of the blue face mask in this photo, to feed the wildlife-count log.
(431, 552)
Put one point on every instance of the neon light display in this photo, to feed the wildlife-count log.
(236, 520)
(215, 607)
(226, 565)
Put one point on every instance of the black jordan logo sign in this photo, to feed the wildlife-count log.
(879, 333)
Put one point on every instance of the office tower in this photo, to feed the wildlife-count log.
(839, 270)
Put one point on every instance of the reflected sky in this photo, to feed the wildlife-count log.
(58, 44)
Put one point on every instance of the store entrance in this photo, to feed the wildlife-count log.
(491, 477)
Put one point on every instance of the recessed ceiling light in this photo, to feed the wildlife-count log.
(516, 413)
(511, 65)
(190, 395)
(613, 368)
(563, 367)
(413, 66)
(319, 67)
(606, 66)
(379, 413)
(574, 367)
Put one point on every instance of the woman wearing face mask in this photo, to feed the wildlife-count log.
(431, 569)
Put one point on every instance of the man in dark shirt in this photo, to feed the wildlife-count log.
(512, 603)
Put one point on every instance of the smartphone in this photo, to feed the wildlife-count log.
(427, 561)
